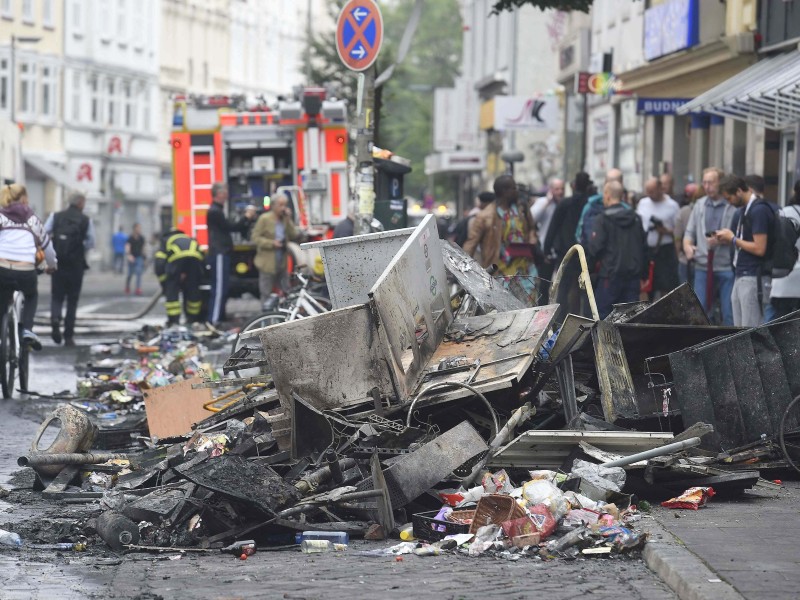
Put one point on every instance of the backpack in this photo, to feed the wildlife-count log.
(68, 235)
(782, 237)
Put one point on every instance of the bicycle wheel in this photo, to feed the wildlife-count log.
(265, 320)
(24, 355)
(790, 440)
(8, 356)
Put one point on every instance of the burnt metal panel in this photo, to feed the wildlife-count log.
(679, 307)
(487, 291)
(741, 383)
(332, 360)
(411, 303)
(616, 385)
(413, 474)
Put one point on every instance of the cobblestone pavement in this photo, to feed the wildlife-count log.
(753, 542)
(279, 574)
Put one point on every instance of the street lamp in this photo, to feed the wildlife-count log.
(14, 40)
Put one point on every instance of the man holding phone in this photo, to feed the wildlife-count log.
(272, 232)
(713, 277)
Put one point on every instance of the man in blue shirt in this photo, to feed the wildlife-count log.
(749, 245)
(118, 241)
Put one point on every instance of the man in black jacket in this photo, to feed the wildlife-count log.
(220, 246)
(619, 242)
(561, 237)
(72, 233)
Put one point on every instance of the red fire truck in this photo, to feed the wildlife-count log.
(298, 148)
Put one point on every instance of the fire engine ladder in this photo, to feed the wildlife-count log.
(201, 163)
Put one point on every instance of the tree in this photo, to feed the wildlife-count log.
(564, 5)
(405, 101)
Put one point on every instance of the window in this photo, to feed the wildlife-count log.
(128, 100)
(47, 13)
(111, 99)
(7, 9)
(76, 96)
(106, 26)
(49, 96)
(27, 88)
(205, 75)
(145, 109)
(138, 24)
(94, 87)
(4, 63)
(190, 72)
(27, 11)
(77, 18)
(122, 23)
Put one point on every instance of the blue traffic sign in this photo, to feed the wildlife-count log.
(359, 34)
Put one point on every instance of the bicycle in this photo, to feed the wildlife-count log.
(13, 352)
(247, 351)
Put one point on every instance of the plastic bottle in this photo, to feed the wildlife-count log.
(335, 537)
(407, 533)
(117, 531)
(319, 546)
(247, 547)
(8, 538)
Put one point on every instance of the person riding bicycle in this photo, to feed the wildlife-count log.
(179, 265)
(23, 241)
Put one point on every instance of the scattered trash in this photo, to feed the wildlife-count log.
(691, 499)
(460, 410)
(8, 538)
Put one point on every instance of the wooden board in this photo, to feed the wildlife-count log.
(173, 409)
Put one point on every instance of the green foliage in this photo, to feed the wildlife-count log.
(565, 5)
(406, 100)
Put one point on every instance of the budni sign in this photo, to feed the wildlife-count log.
(659, 106)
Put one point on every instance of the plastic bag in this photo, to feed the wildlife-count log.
(597, 481)
(691, 499)
(484, 539)
(541, 491)
(497, 483)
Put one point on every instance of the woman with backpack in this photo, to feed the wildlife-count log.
(785, 294)
(23, 245)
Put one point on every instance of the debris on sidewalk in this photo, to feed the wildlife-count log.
(430, 395)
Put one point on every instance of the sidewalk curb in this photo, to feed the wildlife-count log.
(680, 569)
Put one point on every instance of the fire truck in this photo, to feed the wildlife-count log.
(297, 148)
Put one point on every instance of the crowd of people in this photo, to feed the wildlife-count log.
(722, 238)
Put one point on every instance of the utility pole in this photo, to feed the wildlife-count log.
(365, 174)
(359, 35)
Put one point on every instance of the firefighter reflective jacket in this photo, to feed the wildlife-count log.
(175, 245)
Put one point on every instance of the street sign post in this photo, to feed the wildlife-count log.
(359, 35)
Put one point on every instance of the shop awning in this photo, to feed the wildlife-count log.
(766, 94)
(49, 170)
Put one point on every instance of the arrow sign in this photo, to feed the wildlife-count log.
(359, 34)
(358, 52)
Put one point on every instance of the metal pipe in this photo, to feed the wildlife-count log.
(36, 459)
(660, 451)
(313, 480)
(584, 280)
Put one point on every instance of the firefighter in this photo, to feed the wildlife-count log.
(179, 265)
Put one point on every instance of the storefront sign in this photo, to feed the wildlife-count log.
(669, 27)
(599, 84)
(85, 174)
(659, 106)
(116, 144)
(516, 113)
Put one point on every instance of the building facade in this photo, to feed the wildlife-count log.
(508, 69)
(31, 61)
(111, 112)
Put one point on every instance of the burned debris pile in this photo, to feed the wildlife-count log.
(434, 405)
